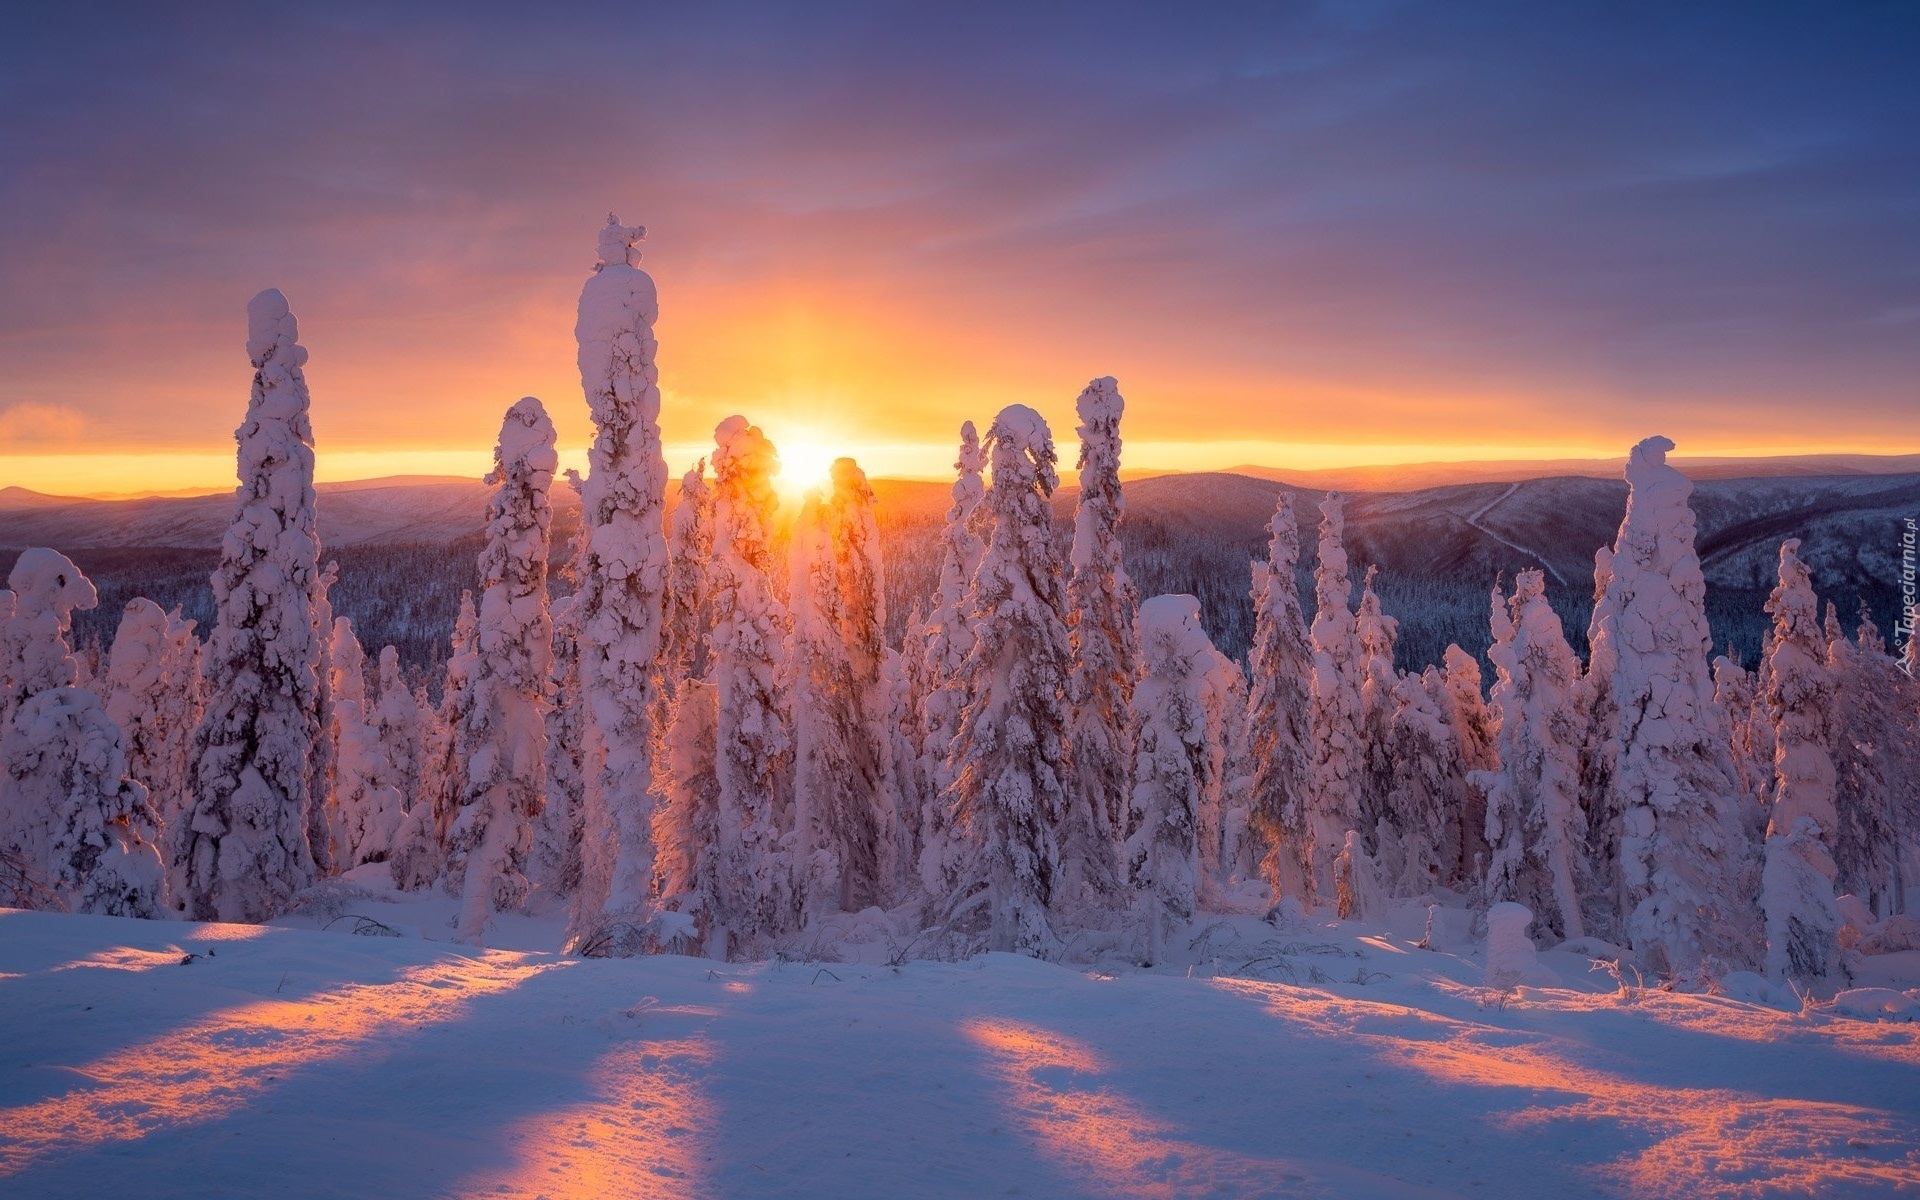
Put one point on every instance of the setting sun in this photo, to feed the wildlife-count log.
(804, 464)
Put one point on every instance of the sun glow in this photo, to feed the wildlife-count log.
(805, 464)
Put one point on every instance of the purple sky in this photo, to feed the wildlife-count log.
(1452, 225)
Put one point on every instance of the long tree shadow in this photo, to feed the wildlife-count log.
(107, 987)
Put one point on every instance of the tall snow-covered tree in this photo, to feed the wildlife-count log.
(44, 589)
(1376, 633)
(753, 739)
(1796, 895)
(1100, 609)
(1426, 789)
(1009, 795)
(1687, 870)
(686, 830)
(1172, 768)
(689, 613)
(1338, 748)
(559, 829)
(68, 808)
(394, 777)
(1474, 729)
(153, 692)
(846, 805)
(946, 638)
(502, 743)
(246, 852)
(1229, 852)
(420, 849)
(361, 809)
(1876, 758)
(622, 588)
(1534, 821)
(323, 815)
(1278, 736)
(68, 814)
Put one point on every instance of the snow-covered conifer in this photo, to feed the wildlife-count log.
(1172, 767)
(1464, 704)
(686, 829)
(1797, 885)
(323, 815)
(359, 810)
(845, 800)
(1338, 750)
(1535, 826)
(67, 807)
(502, 742)
(393, 778)
(1687, 872)
(1417, 846)
(45, 589)
(1229, 851)
(689, 615)
(1100, 604)
(1876, 758)
(558, 830)
(1009, 795)
(946, 638)
(622, 587)
(153, 693)
(246, 851)
(420, 849)
(753, 744)
(1280, 670)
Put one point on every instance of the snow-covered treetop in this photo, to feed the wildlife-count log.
(973, 459)
(1100, 403)
(742, 455)
(273, 335)
(1795, 609)
(1655, 483)
(1170, 632)
(526, 445)
(619, 244)
(1283, 541)
(1020, 433)
(849, 481)
(46, 581)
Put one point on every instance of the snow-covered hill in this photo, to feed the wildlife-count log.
(1317, 1060)
(372, 512)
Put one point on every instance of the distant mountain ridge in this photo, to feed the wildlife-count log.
(1402, 477)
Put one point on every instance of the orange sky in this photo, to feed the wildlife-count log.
(1305, 238)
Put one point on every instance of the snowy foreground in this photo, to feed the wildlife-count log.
(143, 1058)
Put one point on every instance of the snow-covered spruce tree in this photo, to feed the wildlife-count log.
(1338, 750)
(1100, 608)
(754, 748)
(1797, 883)
(1534, 822)
(356, 750)
(622, 586)
(1280, 670)
(1009, 795)
(845, 800)
(153, 692)
(1171, 768)
(686, 830)
(44, 590)
(689, 612)
(323, 815)
(1876, 758)
(70, 810)
(1688, 874)
(1735, 692)
(393, 780)
(1229, 853)
(557, 831)
(1376, 633)
(246, 852)
(947, 638)
(1426, 788)
(502, 742)
(1464, 704)
(420, 849)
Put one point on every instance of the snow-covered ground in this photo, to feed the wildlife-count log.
(148, 1059)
